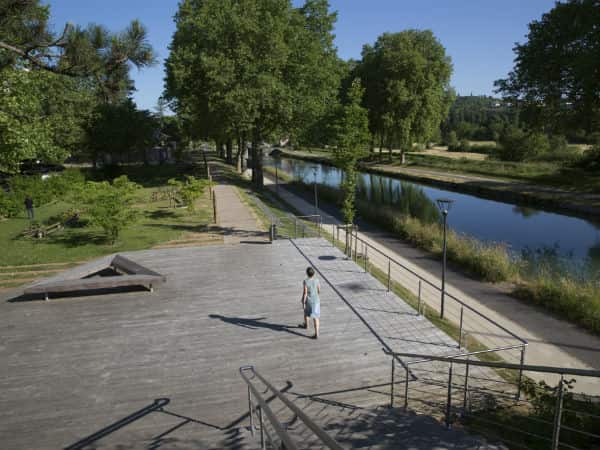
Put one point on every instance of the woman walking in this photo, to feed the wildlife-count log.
(311, 303)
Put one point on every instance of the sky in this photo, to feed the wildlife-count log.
(478, 35)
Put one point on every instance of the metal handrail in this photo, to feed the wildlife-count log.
(457, 355)
(327, 440)
(557, 423)
(426, 281)
(503, 365)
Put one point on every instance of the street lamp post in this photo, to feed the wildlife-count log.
(276, 178)
(444, 204)
(316, 195)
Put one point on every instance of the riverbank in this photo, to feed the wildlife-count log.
(580, 204)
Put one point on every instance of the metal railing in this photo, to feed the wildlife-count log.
(296, 227)
(473, 329)
(545, 417)
(257, 405)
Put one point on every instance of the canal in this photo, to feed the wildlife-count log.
(521, 229)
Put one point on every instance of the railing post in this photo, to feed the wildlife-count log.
(320, 225)
(460, 329)
(466, 387)
(262, 429)
(366, 258)
(333, 240)
(558, 415)
(250, 412)
(389, 273)
(419, 300)
(449, 400)
(295, 228)
(303, 230)
(214, 201)
(392, 384)
(521, 372)
(355, 242)
(406, 390)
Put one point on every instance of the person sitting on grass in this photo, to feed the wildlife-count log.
(311, 303)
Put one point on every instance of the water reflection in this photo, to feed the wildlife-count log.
(520, 228)
(404, 197)
(525, 211)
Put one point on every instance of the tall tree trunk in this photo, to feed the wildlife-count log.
(229, 151)
(257, 173)
(381, 147)
(239, 154)
(206, 170)
(390, 153)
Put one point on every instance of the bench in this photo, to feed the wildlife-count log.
(42, 231)
(130, 274)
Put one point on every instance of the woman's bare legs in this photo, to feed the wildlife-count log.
(316, 325)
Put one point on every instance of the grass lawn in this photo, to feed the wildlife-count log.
(158, 223)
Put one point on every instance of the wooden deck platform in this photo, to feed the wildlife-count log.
(75, 365)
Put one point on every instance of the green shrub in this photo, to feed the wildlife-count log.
(9, 207)
(42, 191)
(518, 145)
(189, 190)
(451, 139)
(591, 159)
(110, 205)
(460, 146)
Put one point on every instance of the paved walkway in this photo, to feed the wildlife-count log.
(236, 220)
(551, 341)
(74, 365)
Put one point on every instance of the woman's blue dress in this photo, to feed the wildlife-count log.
(313, 302)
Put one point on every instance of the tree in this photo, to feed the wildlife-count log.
(313, 71)
(41, 116)
(93, 52)
(352, 137)
(241, 70)
(556, 77)
(49, 83)
(110, 205)
(120, 130)
(406, 76)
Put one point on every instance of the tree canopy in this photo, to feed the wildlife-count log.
(352, 137)
(50, 83)
(41, 116)
(406, 76)
(26, 40)
(556, 77)
(246, 69)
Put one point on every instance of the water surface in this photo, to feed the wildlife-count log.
(517, 227)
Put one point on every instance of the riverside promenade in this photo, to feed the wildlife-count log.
(551, 341)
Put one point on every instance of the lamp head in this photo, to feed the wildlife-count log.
(444, 204)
